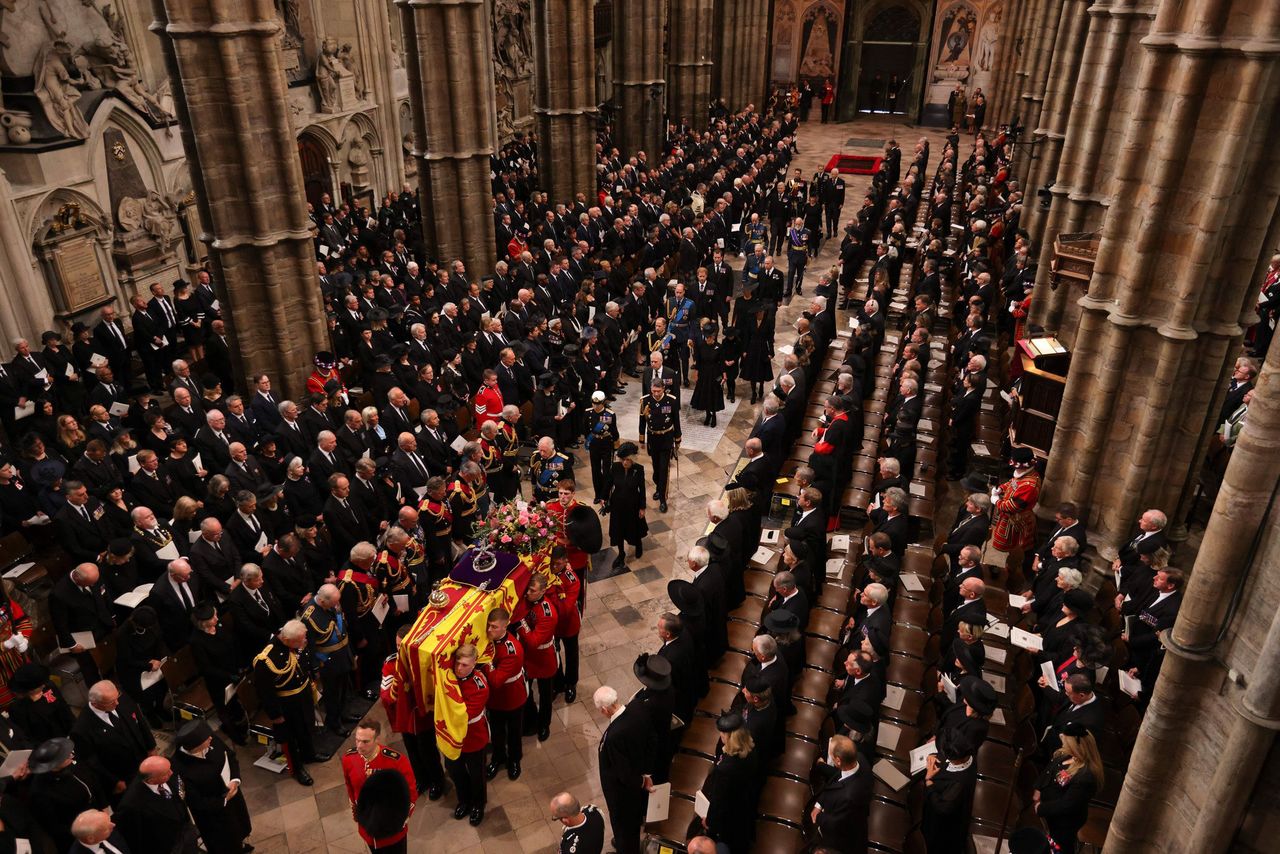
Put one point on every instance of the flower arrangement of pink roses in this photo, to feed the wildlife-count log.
(518, 527)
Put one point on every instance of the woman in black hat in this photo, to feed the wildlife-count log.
(68, 390)
(757, 362)
(707, 393)
(730, 787)
(625, 504)
(950, 780)
(140, 649)
(38, 710)
(216, 802)
(967, 718)
(191, 318)
(1060, 634)
(1066, 786)
(82, 350)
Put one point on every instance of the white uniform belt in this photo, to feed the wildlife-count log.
(517, 678)
(477, 718)
(546, 645)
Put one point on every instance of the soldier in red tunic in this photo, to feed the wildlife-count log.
(537, 632)
(488, 399)
(566, 491)
(358, 765)
(414, 726)
(467, 771)
(566, 593)
(1013, 525)
(507, 696)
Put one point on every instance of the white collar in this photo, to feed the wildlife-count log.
(613, 717)
(845, 775)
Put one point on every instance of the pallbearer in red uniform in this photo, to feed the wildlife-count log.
(1013, 525)
(414, 727)
(437, 531)
(566, 500)
(565, 592)
(467, 771)
(537, 632)
(359, 763)
(488, 399)
(507, 696)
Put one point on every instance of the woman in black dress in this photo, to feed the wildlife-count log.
(625, 502)
(190, 310)
(214, 648)
(757, 364)
(950, 781)
(707, 394)
(139, 650)
(1066, 786)
(730, 787)
(730, 356)
(68, 388)
(967, 719)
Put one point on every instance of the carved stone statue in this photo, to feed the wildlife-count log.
(159, 217)
(348, 59)
(129, 214)
(329, 73)
(358, 160)
(512, 58)
(57, 91)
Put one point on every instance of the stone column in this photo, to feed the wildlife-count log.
(689, 60)
(1045, 35)
(373, 29)
(565, 96)
(639, 89)
(1059, 95)
(1193, 192)
(229, 91)
(1008, 50)
(741, 63)
(1187, 794)
(1100, 111)
(448, 50)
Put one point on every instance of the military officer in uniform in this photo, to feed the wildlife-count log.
(583, 831)
(506, 483)
(437, 529)
(360, 591)
(680, 316)
(467, 771)
(396, 570)
(329, 639)
(660, 422)
(358, 765)
(536, 631)
(602, 438)
(798, 238)
(547, 467)
(464, 502)
(507, 695)
(286, 694)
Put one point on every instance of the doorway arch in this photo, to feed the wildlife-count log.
(316, 177)
(888, 59)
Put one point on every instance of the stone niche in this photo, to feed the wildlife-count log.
(71, 248)
(512, 66)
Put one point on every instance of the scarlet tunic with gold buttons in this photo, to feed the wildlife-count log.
(356, 769)
(536, 631)
(475, 693)
(578, 559)
(569, 621)
(507, 690)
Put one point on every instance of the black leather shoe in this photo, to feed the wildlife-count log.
(640, 550)
(246, 848)
(303, 777)
(477, 816)
(570, 694)
(491, 770)
(619, 561)
(544, 734)
(663, 507)
(656, 495)
(435, 793)
(460, 811)
(513, 771)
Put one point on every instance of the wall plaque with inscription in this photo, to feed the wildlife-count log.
(75, 262)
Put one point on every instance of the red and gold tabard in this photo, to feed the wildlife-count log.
(578, 559)
(1013, 523)
(356, 769)
(507, 691)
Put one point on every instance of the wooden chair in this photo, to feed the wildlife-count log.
(796, 760)
(187, 690)
(778, 838)
(729, 669)
(720, 696)
(888, 827)
(688, 772)
(673, 832)
(807, 721)
(784, 800)
(701, 737)
(740, 635)
(812, 685)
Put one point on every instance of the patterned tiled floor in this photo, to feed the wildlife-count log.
(619, 623)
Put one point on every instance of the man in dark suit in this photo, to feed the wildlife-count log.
(973, 521)
(347, 526)
(264, 403)
(1146, 652)
(433, 444)
(840, 810)
(787, 596)
(152, 486)
(242, 425)
(1150, 537)
(968, 564)
(108, 390)
(759, 473)
(677, 649)
(291, 438)
(626, 748)
(111, 342)
(315, 418)
(1069, 524)
(213, 442)
(185, 415)
(244, 471)
(79, 603)
(860, 684)
(174, 596)
(256, 613)
(709, 582)
(811, 526)
(408, 468)
(872, 620)
(153, 812)
(766, 664)
(246, 527)
(91, 829)
(327, 458)
(81, 531)
(112, 736)
(1241, 384)
(182, 379)
(890, 519)
(1076, 704)
(149, 341)
(771, 429)
(215, 559)
(972, 610)
(217, 355)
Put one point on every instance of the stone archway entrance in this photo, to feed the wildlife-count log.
(888, 61)
(315, 168)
